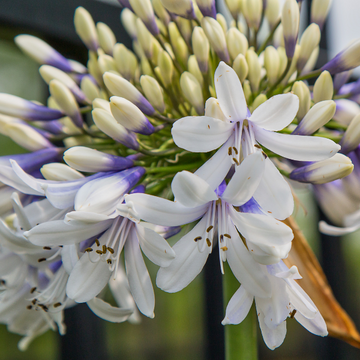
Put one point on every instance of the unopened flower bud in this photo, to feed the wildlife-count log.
(346, 110)
(101, 104)
(351, 138)
(301, 90)
(192, 91)
(324, 171)
(128, 20)
(283, 60)
(85, 28)
(178, 43)
(271, 64)
(216, 36)
(66, 101)
(290, 21)
(166, 67)
(182, 8)
(119, 86)
(247, 90)
(104, 120)
(207, 7)
(94, 69)
(319, 115)
(319, 11)
(42, 52)
(106, 63)
(252, 12)
(272, 12)
(213, 109)
(236, 42)
(59, 172)
(153, 92)
(194, 69)
(234, 7)
(49, 73)
(144, 10)
(201, 47)
(130, 116)
(309, 41)
(145, 39)
(347, 59)
(27, 137)
(222, 21)
(278, 39)
(89, 88)
(15, 106)
(90, 160)
(126, 61)
(185, 27)
(323, 87)
(310, 65)
(125, 4)
(241, 67)
(106, 37)
(161, 12)
(261, 98)
(341, 79)
(254, 74)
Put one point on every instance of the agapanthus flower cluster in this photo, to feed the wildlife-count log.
(198, 124)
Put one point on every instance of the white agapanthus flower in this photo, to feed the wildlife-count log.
(233, 120)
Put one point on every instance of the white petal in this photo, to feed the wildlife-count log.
(191, 190)
(245, 180)
(267, 254)
(161, 211)
(139, 279)
(297, 147)
(188, 263)
(238, 307)
(316, 325)
(60, 233)
(277, 112)
(200, 133)
(274, 194)
(154, 246)
(336, 231)
(230, 93)
(87, 217)
(69, 257)
(245, 269)
(262, 229)
(87, 279)
(216, 168)
(273, 338)
(108, 312)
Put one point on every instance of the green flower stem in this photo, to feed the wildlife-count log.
(85, 109)
(173, 169)
(263, 45)
(240, 340)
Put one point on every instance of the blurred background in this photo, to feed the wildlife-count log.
(187, 324)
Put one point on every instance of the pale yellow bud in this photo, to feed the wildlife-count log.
(236, 42)
(323, 87)
(88, 87)
(301, 90)
(194, 69)
(153, 92)
(241, 67)
(272, 12)
(252, 12)
(290, 18)
(106, 63)
(278, 39)
(145, 39)
(180, 7)
(260, 99)
(310, 65)
(106, 37)
(128, 20)
(185, 28)
(254, 74)
(222, 21)
(85, 28)
(235, 7)
(161, 12)
(126, 61)
(201, 47)
(271, 64)
(144, 10)
(93, 67)
(146, 67)
(309, 41)
(247, 90)
(319, 11)
(178, 44)
(192, 91)
(351, 137)
(166, 67)
(59, 172)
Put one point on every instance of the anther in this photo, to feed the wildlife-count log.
(230, 151)
(47, 248)
(292, 314)
(111, 250)
(208, 242)
(45, 308)
(104, 249)
(109, 261)
(197, 238)
(236, 162)
(257, 146)
(224, 248)
(41, 260)
(57, 304)
(97, 242)
(235, 150)
(209, 228)
(221, 238)
(32, 290)
(34, 302)
(99, 252)
(228, 236)
(89, 249)
(29, 307)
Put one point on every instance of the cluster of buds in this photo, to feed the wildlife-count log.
(139, 128)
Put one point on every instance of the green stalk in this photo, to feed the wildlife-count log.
(240, 340)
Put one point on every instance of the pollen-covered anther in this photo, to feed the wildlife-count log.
(57, 304)
(230, 150)
(46, 247)
(257, 146)
(104, 249)
(32, 290)
(111, 250)
(89, 249)
(29, 307)
(109, 261)
(228, 236)
(41, 260)
(97, 242)
(236, 161)
(198, 238)
(292, 314)
(235, 150)
(221, 238)
(44, 307)
(99, 252)
(224, 248)
(209, 228)
(208, 242)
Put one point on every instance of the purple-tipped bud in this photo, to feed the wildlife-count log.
(183, 8)
(345, 111)
(90, 160)
(345, 60)
(144, 10)
(207, 7)
(319, 11)
(324, 171)
(125, 4)
(351, 138)
(290, 21)
(341, 79)
(130, 116)
(15, 106)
